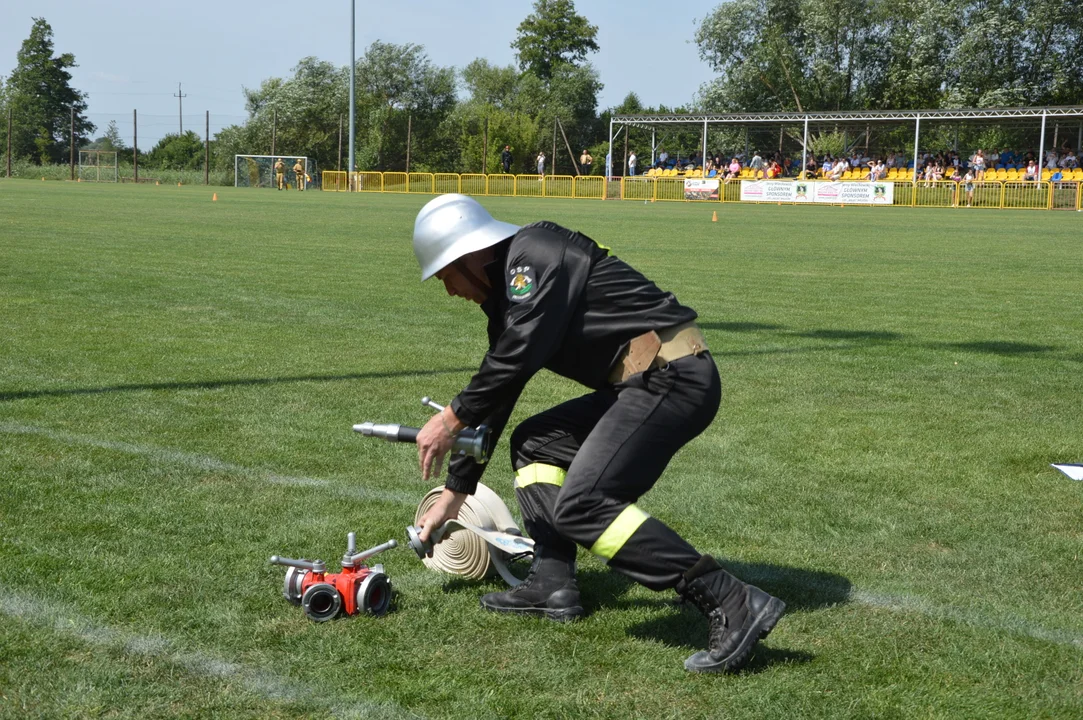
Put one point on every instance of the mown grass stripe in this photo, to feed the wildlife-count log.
(28, 608)
(973, 618)
(207, 463)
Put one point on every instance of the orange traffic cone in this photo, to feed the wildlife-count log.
(714, 216)
(214, 198)
(156, 183)
(178, 184)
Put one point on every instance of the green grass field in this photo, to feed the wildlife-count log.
(178, 379)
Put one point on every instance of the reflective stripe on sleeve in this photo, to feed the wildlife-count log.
(540, 473)
(618, 532)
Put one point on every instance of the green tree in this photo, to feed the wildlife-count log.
(398, 85)
(552, 35)
(308, 104)
(785, 55)
(176, 152)
(42, 99)
(111, 140)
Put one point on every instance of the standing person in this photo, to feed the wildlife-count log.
(280, 173)
(541, 165)
(978, 164)
(632, 163)
(299, 174)
(555, 299)
(586, 162)
(756, 165)
(505, 159)
(663, 158)
(968, 186)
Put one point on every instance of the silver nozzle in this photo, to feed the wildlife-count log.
(387, 432)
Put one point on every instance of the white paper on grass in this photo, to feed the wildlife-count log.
(1072, 470)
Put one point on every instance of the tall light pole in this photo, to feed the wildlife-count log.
(353, 63)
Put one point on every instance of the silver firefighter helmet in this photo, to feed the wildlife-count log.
(452, 226)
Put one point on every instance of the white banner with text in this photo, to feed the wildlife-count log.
(832, 193)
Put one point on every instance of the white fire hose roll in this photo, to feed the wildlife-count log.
(480, 541)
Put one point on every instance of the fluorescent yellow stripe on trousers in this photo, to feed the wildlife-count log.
(618, 532)
(539, 473)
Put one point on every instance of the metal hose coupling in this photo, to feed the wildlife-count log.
(478, 543)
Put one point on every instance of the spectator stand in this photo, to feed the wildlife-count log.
(1004, 184)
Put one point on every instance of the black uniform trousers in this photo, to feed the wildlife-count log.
(612, 446)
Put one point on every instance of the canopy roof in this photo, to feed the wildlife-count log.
(1018, 115)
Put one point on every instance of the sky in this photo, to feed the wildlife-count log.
(133, 53)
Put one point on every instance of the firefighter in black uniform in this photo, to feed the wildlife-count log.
(555, 299)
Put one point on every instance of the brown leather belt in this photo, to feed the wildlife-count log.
(657, 348)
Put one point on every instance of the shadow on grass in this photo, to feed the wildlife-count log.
(683, 626)
(210, 384)
(740, 326)
(863, 338)
(996, 347)
(871, 336)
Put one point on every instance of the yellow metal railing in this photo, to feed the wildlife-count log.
(421, 183)
(367, 182)
(589, 187)
(473, 184)
(500, 185)
(558, 186)
(446, 183)
(1026, 195)
(934, 193)
(396, 182)
(334, 180)
(993, 194)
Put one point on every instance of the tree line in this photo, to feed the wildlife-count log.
(769, 55)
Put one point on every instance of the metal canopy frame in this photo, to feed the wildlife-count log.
(1017, 115)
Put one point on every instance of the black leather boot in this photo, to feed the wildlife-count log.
(739, 616)
(549, 590)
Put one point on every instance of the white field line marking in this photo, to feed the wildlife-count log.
(207, 463)
(273, 687)
(974, 618)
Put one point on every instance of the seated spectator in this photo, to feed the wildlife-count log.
(734, 170)
(1030, 174)
(1070, 161)
(663, 157)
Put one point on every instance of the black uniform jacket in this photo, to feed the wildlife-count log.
(559, 301)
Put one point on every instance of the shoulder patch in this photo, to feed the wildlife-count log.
(520, 283)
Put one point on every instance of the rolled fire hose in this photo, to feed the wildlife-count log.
(480, 541)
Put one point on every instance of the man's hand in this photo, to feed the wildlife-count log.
(435, 440)
(446, 508)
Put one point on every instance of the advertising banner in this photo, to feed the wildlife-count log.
(801, 191)
(701, 189)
